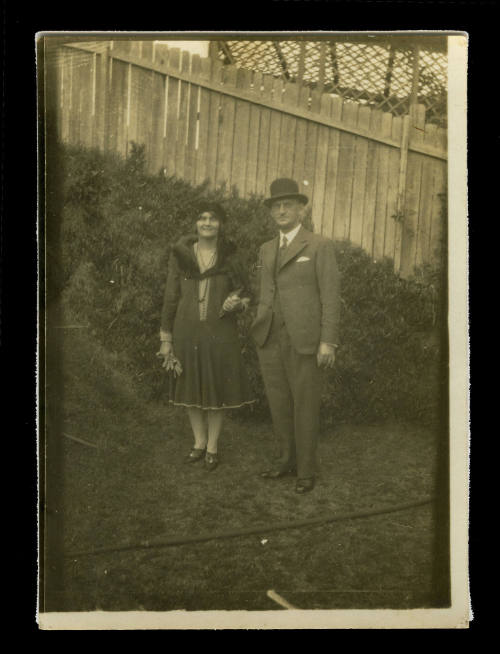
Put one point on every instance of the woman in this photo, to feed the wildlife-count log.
(206, 286)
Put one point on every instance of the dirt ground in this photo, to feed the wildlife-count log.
(126, 485)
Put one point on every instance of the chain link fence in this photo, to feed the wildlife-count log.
(386, 73)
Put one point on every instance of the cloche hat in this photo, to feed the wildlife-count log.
(212, 207)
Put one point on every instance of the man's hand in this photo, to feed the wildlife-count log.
(326, 355)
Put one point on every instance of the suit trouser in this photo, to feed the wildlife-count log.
(293, 384)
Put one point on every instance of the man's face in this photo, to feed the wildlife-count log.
(287, 213)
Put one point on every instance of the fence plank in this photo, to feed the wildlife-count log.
(115, 104)
(125, 136)
(102, 107)
(93, 102)
(241, 136)
(412, 195)
(171, 131)
(182, 118)
(370, 200)
(66, 94)
(75, 101)
(288, 129)
(402, 186)
(204, 117)
(274, 136)
(213, 136)
(147, 50)
(359, 181)
(161, 53)
(345, 174)
(391, 225)
(125, 46)
(318, 198)
(213, 121)
(73, 122)
(438, 227)
(158, 102)
(226, 130)
(117, 99)
(192, 126)
(136, 100)
(299, 157)
(148, 102)
(441, 141)
(310, 145)
(86, 103)
(332, 170)
(264, 130)
(426, 196)
(382, 192)
(253, 138)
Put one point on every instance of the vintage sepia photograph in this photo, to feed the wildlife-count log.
(253, 407)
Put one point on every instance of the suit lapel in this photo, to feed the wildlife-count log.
(270, 254)
(296, 246)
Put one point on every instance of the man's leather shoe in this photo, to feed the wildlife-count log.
(304, 485)
(277, 473)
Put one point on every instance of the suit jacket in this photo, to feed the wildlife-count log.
(307, 281)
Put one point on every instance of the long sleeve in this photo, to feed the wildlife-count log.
(171, 295)
(329, 290)
(255, 280)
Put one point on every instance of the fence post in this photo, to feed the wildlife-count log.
(403, 165)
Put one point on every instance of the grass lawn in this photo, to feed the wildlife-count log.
(133, 487)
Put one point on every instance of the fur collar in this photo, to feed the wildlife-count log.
(184, 253)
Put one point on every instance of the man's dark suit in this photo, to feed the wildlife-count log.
(298, 308)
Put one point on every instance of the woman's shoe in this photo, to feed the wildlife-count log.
(195, 455)
(211, 461)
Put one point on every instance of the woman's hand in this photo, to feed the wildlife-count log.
(166, 352)
(232, 303)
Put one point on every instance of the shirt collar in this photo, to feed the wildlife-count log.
(290, 235)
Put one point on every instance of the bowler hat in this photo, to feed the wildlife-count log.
(285, 188)
(212, 207)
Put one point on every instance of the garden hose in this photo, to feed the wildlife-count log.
(185, 540)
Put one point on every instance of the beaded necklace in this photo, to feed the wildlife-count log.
(204, 266)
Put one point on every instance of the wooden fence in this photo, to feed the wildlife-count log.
(373, 178)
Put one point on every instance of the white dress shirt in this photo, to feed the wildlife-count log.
(289, 235)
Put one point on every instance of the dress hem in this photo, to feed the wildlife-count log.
(212, 408)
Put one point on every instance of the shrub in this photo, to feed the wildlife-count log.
(117, 225)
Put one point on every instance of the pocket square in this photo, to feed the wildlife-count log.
(302, 259)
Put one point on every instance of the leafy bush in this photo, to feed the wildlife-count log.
(116, 228)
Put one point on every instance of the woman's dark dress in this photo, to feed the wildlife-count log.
(208, 349)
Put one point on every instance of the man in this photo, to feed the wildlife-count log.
(296, 330)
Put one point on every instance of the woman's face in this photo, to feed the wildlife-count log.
(208, 225)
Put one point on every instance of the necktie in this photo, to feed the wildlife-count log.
(283, 247)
